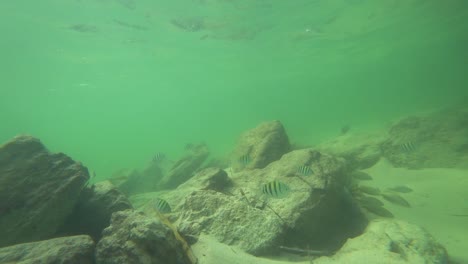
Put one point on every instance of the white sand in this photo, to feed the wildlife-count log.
(438, 195)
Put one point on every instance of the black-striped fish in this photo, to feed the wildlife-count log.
(158, 157)
(304, 170)
(244, 159)
(275, 189)
(162, 206)
(408, 146)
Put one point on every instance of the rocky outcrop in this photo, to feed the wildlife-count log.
(134, 237)
(436, 140)
(63, 250)
(207, 179)
(184, 168)
(134, 182)
(260, 146)
(361, 151)
(384, 241)
(38, 190)
(390, 241)
(315, 212)
(94, 209)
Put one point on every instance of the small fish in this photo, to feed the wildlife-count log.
(304, 170)
(275, 189)
(245, 159)
(159, 157)
(369, 190)
(401, 189)
(162, 206)
(408, 147)
(379, 210)
(395, 199)
(94, 174)
(362, 176)
(345, 129)
(367, 201)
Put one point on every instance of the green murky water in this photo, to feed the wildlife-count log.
(111, 82)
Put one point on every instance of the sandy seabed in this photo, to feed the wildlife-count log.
(439, 202)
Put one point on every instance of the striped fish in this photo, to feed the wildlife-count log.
(244, 159)
(408, 146)
(275, 189)
(162, 206)
(304, 170)
(159, 157)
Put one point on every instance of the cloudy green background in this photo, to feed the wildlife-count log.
(114, 96)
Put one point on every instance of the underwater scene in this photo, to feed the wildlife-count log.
(234, 131)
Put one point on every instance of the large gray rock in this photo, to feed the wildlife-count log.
(38, 190)
(206, 179)
(134, 237)
(261, 146)
(133, 182)
(384, 242)
(184, 168)
(435, 140)
(390, 241)
(63, 250)
(94, 210)
(361, 151)
(316, 212)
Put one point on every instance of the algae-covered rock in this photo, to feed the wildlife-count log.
(93, 211)
(315, 211)
(63, 250)
(361, 151)
(207, 179)
(260, 146)
(135, 237)
(136, 181)
(38, 190)
(435, 140)
(184, 168)
(390, 241)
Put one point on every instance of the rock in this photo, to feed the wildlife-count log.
(435, 140)
(208, 250)
(390, 241)
(136, 181)
(361, 151)
(63, 250)
(316, 212)
(184, 168)
(38, 190)
(134, 237)
(207, 179)
(94, 209)
(261, 146)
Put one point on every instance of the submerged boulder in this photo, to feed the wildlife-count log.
(63, 250)
(184, 168)
(435, 140)
(390, 241)
(134, 182)
(38, 190)
(361, 151)
(93, 211)
(134, 237)
(260, 146)
(315, 211)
